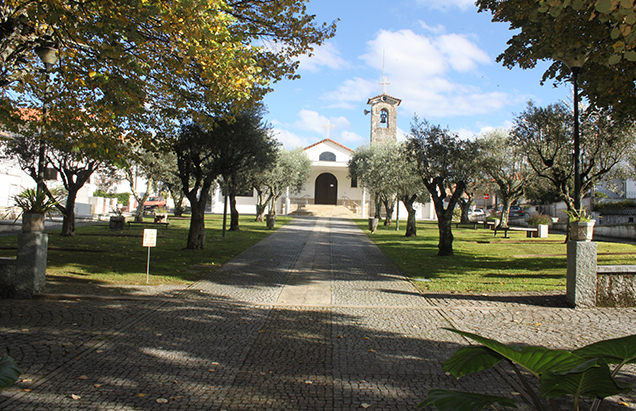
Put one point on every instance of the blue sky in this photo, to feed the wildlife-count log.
(439, 60)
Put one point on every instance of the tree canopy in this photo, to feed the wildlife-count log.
(150, 64)
(595, 34)
(544, 136)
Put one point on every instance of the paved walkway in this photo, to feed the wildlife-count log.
(312, 318)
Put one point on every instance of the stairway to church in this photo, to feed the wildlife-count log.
(324, 210)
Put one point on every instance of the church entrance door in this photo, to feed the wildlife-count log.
(326, 189)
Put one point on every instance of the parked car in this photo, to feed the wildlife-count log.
(153, 203)
(477, 212)
(516, 211)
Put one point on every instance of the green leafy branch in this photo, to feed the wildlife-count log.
(581, 373)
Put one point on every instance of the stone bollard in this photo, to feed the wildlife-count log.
(581, 274)
(26, 275)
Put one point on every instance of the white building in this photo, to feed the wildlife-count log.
(329, 182)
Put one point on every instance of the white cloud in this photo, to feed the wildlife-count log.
(431, 74)
(350, 139)
(447, 4)
(326, 55)
(462, 55)
(289, 139)
(350, 93)
(439, 29)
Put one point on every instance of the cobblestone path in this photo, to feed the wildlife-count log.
(260, 334)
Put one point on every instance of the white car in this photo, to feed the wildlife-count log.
(478, 212)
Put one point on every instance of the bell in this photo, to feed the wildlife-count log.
(383, 120)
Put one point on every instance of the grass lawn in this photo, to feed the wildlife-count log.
(99, 254)
(484, 263)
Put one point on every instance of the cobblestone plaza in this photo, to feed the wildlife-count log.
(312, 318)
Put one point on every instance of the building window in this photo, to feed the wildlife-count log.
(354, 181)
(327, 156)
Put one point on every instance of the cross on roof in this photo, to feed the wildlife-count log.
(383, 83)
(328, 126)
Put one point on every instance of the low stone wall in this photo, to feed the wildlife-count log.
(616, 286)
(627, 230)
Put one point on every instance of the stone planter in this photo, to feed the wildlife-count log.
(582, 230)
(32, 222)
(117, 223)
(271, 220)
(373, 224)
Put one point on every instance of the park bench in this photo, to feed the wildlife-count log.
(530, 232)
(149, 223)
(472, 224)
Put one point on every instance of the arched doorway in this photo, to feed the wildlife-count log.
(326, 189)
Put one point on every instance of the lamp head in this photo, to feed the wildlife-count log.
(48, 55)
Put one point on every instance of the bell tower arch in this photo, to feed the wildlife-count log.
(383, 118)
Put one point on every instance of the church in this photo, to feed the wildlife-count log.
(329, 183)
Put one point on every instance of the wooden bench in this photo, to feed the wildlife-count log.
(130, 223)
(530, 232)
(472, 224)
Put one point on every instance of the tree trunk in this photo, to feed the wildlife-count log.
(196, 233)
(464, 205)
(444, 225)
(234, 214)
(378, 206)
(68, 222)
(389, 206)
(505, 212)
(260, 212)
(411, 228)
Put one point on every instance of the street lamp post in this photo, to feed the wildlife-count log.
(577, 141)
(575, 65)
(48, 55)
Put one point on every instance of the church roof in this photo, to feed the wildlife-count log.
(391, 99)
(328, 140)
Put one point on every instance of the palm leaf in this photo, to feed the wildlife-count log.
(594, 382)
(470, 359)
(536, 360)
(615, 351)
(448, 400)
(9, 372)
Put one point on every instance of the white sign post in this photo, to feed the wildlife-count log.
(150, 240)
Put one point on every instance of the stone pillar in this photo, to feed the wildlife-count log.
(581, 274)
(31, 264)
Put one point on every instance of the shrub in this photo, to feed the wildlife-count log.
(539, 219)
(612, 205)
(122, 198)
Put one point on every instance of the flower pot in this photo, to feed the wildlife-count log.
(373, 224)
(271, 220)
(32, 222)
(117, 223)
(582, 230)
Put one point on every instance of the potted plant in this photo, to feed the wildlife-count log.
(117, 221)
(373, 224)
(581, 225)
(34, 207)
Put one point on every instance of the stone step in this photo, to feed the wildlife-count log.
(323, 210)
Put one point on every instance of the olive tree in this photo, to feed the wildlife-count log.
(445, 164)
(544, 135)
(505, 164)
(291, 170)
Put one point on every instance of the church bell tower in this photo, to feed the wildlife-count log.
(383, 114)
(383, 118)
